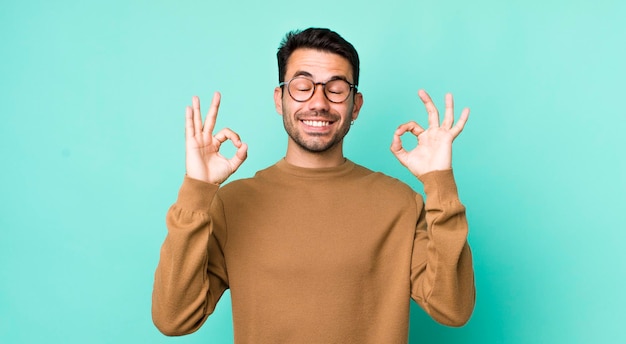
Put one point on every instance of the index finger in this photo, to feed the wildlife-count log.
(433, 113)
(411, 126)
(211, 117)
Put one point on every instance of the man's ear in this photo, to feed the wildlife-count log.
(278, 100)
(358, 102)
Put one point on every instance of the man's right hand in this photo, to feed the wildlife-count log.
(204, 161)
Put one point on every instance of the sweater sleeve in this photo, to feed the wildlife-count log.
(442, 276)
(191, 275)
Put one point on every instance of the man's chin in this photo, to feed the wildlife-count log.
(317, 146)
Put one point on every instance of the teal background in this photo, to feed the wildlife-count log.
(92, 97)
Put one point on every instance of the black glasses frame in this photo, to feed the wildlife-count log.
(286, 83)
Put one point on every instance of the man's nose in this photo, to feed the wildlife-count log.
(319, 101)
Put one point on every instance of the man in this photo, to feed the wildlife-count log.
(316, 249)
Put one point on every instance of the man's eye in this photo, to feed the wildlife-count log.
(336, 90)
(337, 87)
(301, 85)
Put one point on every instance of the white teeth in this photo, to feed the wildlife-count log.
(316, 123)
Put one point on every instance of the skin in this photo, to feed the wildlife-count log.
(203, 159)
(314, 146)
(434, 144)
(310, 146)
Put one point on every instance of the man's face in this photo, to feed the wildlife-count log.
(317, 125)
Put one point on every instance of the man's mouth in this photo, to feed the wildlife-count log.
(317, 124)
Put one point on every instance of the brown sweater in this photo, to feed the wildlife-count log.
(329, 255)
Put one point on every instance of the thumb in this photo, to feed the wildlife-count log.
(397, 149)
(240, 156)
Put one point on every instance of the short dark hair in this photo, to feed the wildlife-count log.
(319, 39)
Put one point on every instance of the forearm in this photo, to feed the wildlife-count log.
(181, 293)
(443, 272)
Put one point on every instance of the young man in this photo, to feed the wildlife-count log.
(316, 249)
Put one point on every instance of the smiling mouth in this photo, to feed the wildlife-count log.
(317, 124)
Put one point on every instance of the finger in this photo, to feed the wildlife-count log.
(433, 114)
(396, 144)
(227, 134)
(211, 117)
(240, 156)
(460, 124)
(189, 131)
(242, 149)
(411, 126)
(197, 116)
(397, 149)
(448, 118)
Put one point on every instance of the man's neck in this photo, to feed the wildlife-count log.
(300, 157)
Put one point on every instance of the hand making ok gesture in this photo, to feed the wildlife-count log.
(203, 159)
(434, 148)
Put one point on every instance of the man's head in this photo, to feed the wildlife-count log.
(317, 96)
(316, 39)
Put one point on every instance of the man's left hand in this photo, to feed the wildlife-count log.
(434, 148)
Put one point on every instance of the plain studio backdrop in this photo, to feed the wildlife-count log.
(92, 99)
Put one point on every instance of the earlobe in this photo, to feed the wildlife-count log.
(278, 100)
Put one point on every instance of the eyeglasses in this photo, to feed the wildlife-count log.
(302, 89)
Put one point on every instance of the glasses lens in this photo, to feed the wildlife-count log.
(337, 90)
(301, 89)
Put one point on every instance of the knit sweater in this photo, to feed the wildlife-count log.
(328, 255)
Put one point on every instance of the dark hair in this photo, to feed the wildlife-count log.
(318, 39)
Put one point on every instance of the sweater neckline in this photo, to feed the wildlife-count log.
(322, 172)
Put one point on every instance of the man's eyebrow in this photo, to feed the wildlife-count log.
(339, 77)
(303, 73)
(309, 75)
